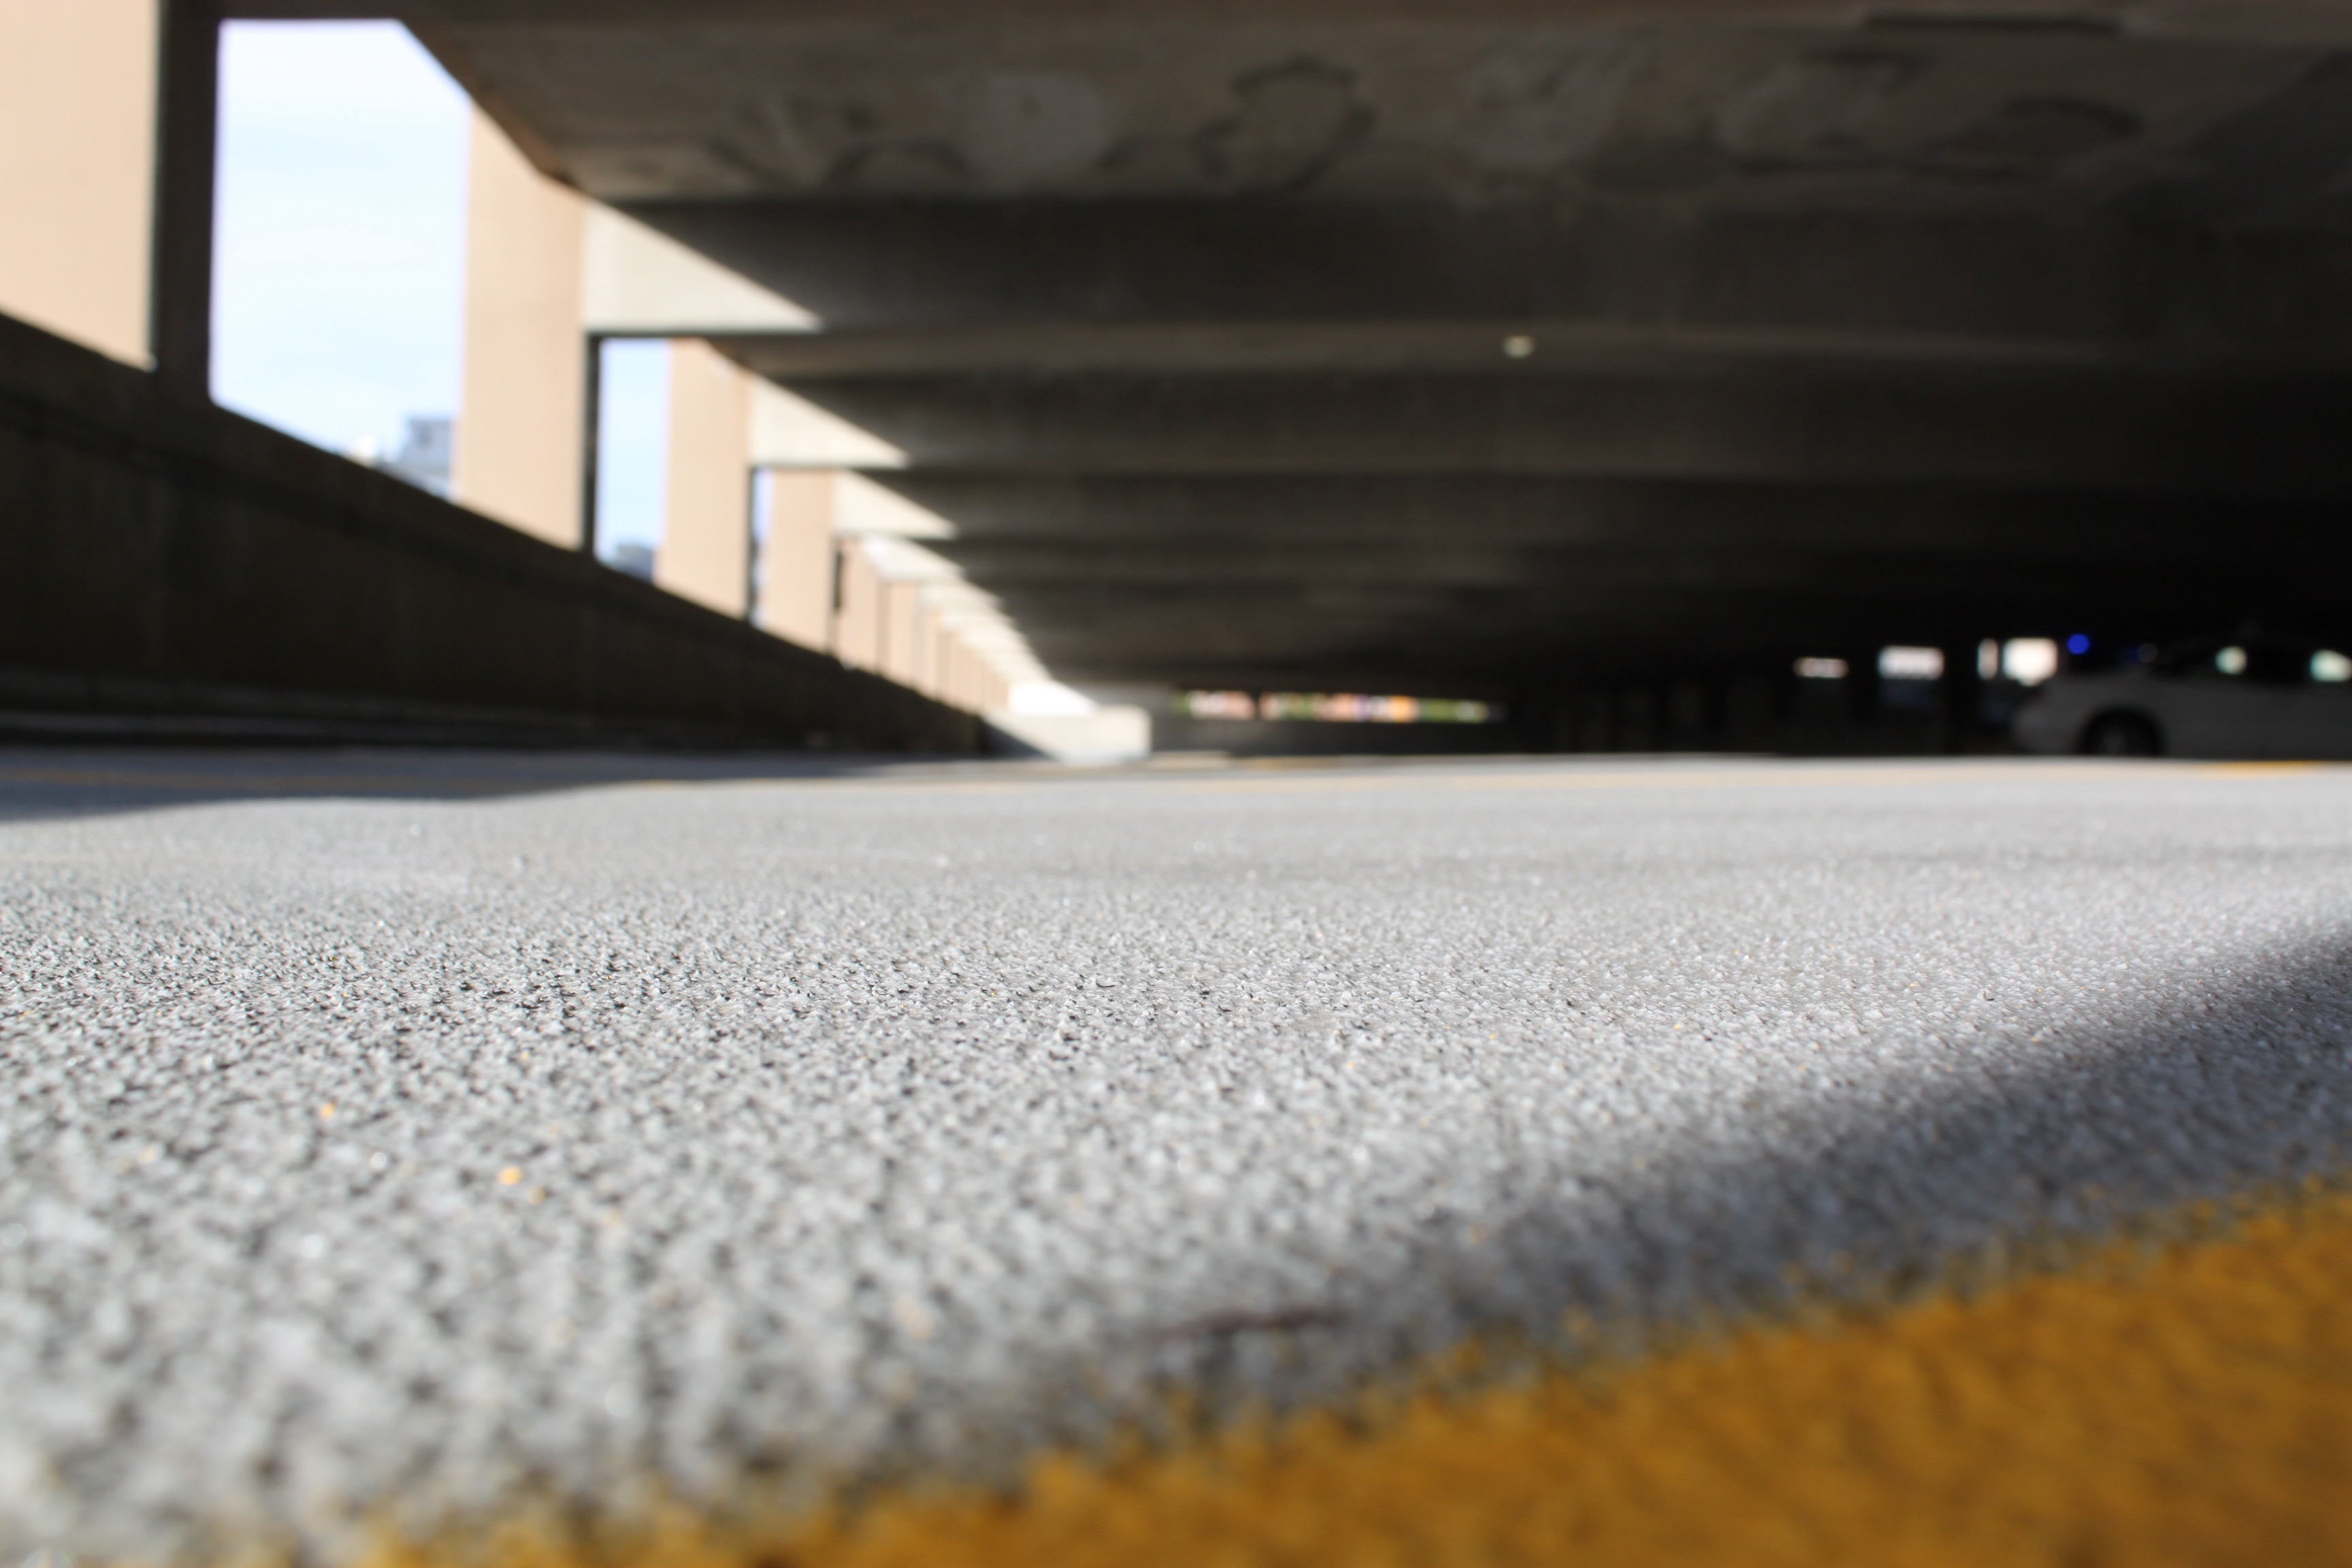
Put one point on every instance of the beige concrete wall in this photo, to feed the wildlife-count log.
(78, 168)
(706, 544)
(797, 558)
(520, 423)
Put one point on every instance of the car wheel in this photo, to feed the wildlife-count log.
(2121, 735)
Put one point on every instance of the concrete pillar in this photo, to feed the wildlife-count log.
(1637, 721)
(1862, 683)
(796, 561)
(1683, 726)
(521, 423)
(902, 631)
(77, 146)
(187, 131)
(1596, 722)
(1748, 717)
(706, 544)
(937, 645)
(858, 622)
(952, 671)
(971, 690)
(1963, 694)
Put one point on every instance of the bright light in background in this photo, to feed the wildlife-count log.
(1048, 699)
(339, 254)
(631, 450)
(1334, 707)
(1821, 669)
(2029, 660)
(1911, 663)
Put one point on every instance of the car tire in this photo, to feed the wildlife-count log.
(2121, 735)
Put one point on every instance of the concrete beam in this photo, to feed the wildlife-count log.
(1220, 517)
(2276, 435)
(636, 282)
(1787, 107)
(1668, 348)
(2112, 275)
(1474, 643)
(2280, 21)
(1484, 579)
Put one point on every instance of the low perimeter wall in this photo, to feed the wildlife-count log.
(169, 567)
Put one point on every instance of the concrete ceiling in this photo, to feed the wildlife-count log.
(1509, 345)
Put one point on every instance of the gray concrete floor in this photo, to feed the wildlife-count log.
(423, 1127)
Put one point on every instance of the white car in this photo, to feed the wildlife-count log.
(2246, 696)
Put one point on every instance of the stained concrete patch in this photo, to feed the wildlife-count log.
(734, 1138)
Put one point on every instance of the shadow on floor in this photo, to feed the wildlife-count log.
(2245, 1086)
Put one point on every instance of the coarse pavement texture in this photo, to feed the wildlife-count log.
(400, 1136)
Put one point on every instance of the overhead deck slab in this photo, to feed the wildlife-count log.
(1307, 286)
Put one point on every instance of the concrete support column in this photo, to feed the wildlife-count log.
(1861, 684)
(79, 139)
(1748, 717)
(187, 135)
(858, 624)
(706, 544)
(953, 675)
(972, 680)
(1963, 694)
(931, 680)
(1684, 726)
(1637, 721)
(902, 631)
(521, 421)
(796, 561)
(1596, 722)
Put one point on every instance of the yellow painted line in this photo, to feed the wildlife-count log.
(2183, 1405)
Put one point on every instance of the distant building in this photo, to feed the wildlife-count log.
(636, 559)
(426, 453)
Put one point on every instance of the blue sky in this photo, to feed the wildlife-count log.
(339, 263)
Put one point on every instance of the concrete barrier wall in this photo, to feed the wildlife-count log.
(165, 564)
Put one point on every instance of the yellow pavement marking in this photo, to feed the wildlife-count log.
(2190, 1404)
